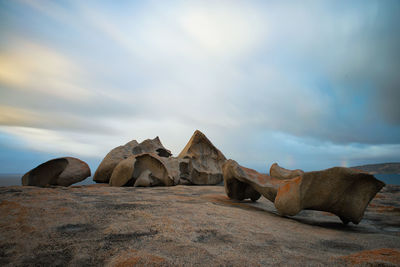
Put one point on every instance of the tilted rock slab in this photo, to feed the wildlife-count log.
(205, 161)
(110, 161)
(61, 171)
(341, 191)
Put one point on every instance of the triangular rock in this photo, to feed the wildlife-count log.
(205, 165)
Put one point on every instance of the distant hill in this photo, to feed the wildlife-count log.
(383, 168)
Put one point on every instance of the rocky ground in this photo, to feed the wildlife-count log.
(99, 225)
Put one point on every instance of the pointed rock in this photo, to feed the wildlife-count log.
(205, 160)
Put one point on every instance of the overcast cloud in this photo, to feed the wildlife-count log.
(309, 84)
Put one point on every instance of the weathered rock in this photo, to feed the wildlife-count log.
(123, 172)
(152, 146)
(129, 170)
(106, 167)
(341, 191)
(178, 168)
(205, 160)
(146, 179)
(110, 161)
(99, 225)
(61, 171)
(277, 171)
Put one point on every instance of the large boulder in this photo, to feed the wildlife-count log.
(141, 170)
(205, 161)
(61, 171)
(106, 167)
(342, 191)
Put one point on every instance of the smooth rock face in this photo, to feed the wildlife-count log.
(341, 191)
(111, 160)
(277, 171)
(205, 160)
(129, 170)
(99, 225)
(61, 171)
(123, 172)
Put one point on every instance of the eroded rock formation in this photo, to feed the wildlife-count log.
(205, 160)
(341, 191)
(61, 171)
(278, 172)
(116, 155)
(150, 163)
(141, 170)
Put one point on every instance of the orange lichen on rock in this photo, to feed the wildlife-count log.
(295, 182)
(376, 256)
(19, 214)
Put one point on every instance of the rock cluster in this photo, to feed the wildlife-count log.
(150, 163)
(147, 163)
(342, 191)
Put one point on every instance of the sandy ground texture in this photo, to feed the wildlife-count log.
(98, 225)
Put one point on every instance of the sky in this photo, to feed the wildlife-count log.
(306, 84)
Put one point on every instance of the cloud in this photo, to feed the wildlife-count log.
(13, 116)
(265, 81)
(29, 66)
(53, 141)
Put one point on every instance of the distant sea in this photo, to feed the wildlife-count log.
(389, 178)
(15, 179)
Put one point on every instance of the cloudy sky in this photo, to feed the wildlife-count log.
(307, 84)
